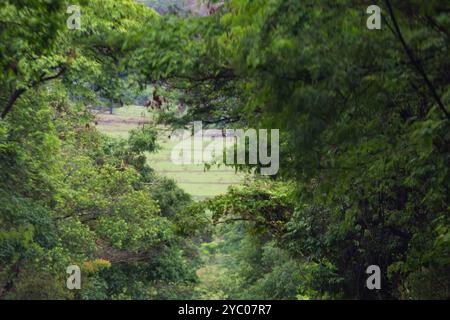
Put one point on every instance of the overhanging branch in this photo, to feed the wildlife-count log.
(416, 63)
(18, 92)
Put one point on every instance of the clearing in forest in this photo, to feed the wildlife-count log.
(192, 178)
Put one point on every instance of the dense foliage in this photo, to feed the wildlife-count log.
(69, 195)
(364, 123)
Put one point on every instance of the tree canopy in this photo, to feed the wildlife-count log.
(364, 150)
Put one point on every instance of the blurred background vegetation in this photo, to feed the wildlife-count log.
(84, 143)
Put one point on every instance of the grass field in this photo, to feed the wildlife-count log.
(194, 179)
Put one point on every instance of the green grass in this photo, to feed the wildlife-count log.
(116, 130)
(194, 179)
(136, 111)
